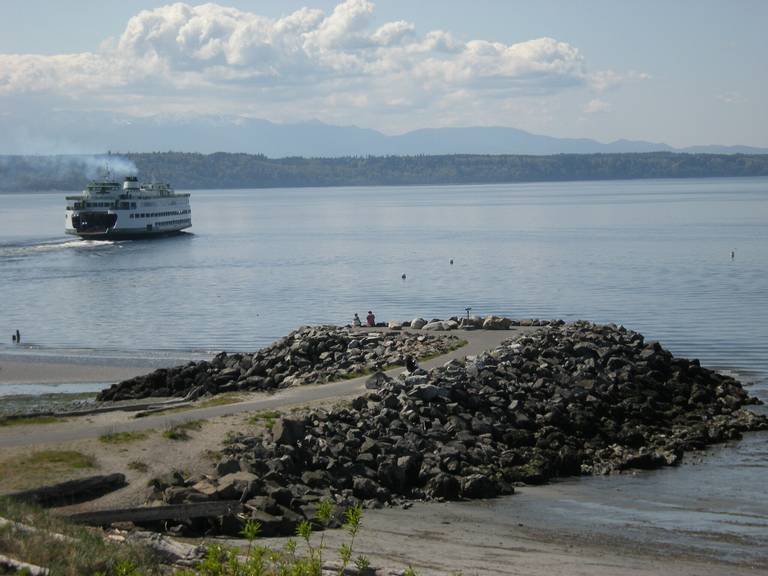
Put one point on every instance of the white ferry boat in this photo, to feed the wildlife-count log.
(108, 210)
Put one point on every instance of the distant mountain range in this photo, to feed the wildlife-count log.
(96, 132)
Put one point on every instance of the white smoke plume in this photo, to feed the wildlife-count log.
(61, 172)
(99, 166)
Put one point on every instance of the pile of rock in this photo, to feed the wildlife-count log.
(568, 400)
(469, 323)
(309, 355)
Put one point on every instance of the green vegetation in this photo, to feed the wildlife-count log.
(122, 437)
(264, 561)
(85, 551)
(223, 170)
(27, 420)
(265, 417)
(181, 431)
(65, 458)
(37, 468)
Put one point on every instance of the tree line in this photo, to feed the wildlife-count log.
(226, 170)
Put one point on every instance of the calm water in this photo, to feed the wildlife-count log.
(652, 255)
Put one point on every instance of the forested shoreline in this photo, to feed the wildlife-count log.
(226, 170)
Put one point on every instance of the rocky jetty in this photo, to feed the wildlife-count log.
(309, 355)
(468, 323)
(566, 400)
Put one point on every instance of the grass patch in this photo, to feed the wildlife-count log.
(29, 420)
(138, 466)
(84, 551)
(64, 458)
(181, 431)
(122, 437)
(265, 418)
(42, 467)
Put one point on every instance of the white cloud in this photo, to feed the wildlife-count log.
(595, 106)
(212, 56)
(393, 32)
(731, 98)
(604, 80)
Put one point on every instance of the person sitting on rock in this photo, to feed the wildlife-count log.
(356, 321)
(370, 319)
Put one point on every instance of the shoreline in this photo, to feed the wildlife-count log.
(565, 527)
(474, 538)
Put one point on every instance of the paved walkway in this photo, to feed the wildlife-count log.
(79, 428)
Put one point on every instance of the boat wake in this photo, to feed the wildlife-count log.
(21, 249)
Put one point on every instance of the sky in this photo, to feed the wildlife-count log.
(683, 72)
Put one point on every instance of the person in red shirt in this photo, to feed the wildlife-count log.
(371, 319)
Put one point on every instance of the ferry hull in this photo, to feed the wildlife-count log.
(126, 234)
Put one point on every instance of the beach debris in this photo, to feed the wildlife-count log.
(155, 515)
(27, 529)
(16, 566)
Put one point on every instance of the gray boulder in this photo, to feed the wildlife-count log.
(478, 486)
(497, 323)
(287, 431)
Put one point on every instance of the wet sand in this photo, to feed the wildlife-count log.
(472, 538)
(36, 372)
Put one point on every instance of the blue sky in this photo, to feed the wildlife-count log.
(683, 72)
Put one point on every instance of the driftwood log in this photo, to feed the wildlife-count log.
(9, 564)
(71, 491)
(26, 529)
(176, 512)
(168, 550)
